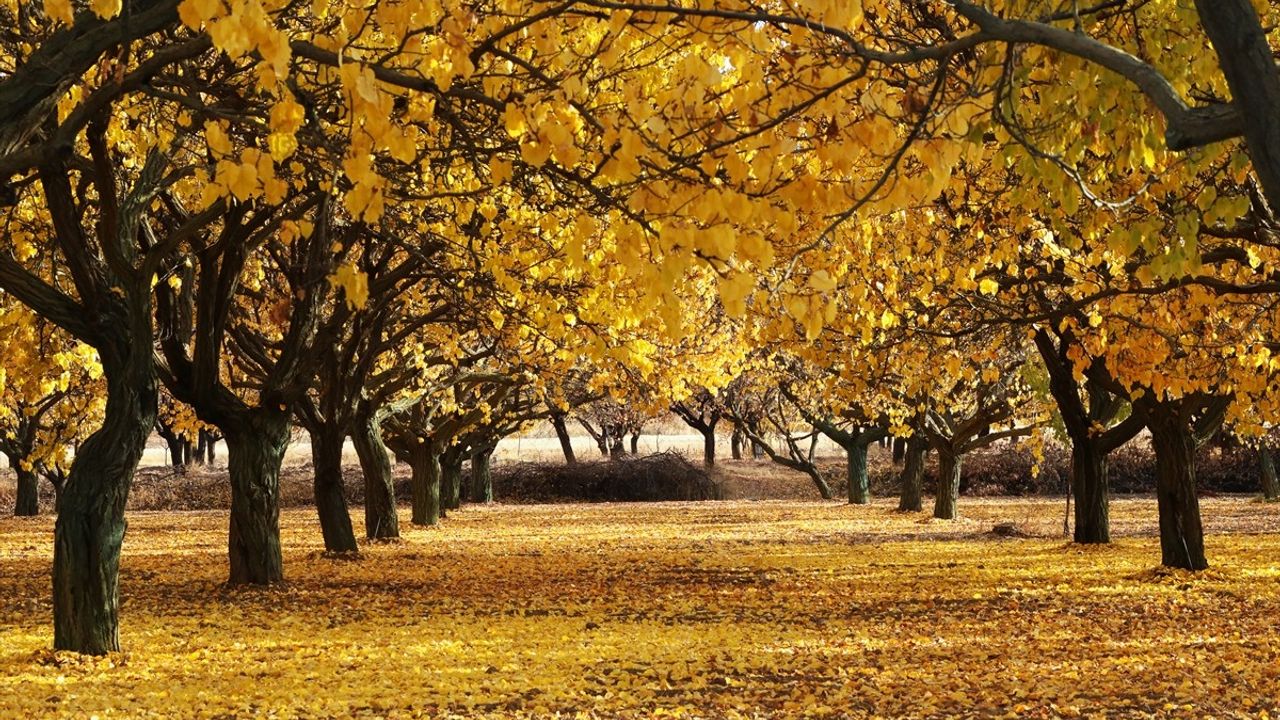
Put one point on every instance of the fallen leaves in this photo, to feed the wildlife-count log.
(775, 609)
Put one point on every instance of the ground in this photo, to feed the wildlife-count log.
(731, 609)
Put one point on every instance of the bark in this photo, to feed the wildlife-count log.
(28, 503)
(566, 442)
(735, 444)
(380, 519)
(425, 483)
(481, 476)
(859, 489)
(451, 480)
(255, 449)
(90, 527)
(948, 496)
(757, 452)
(709, 447)
(1270, 484)
(331, 503)
(635, 443)
(175, 450)
(1089, 489)
(911, 496)
(899, 450)
(1247, 62)
(1181, 534)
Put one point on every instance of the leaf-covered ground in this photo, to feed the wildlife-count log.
(729, 609)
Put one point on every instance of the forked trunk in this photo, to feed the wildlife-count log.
(380, 519)
(331, 503)
(255, 449)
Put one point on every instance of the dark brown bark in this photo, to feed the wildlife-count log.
(859, 488)
(451, 479)
(424, 462)
(1270, 484)
(947, 498)
(1090, 490)
(481, 476)
(90, 527)
(566, 442)
(28, 501)
(709, 447)
(735, 444)
(255, 449)
(380, 520)
(331, 503)
(1181, 534)
(911, 498)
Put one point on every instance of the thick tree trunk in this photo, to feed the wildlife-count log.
(187, 458)
(635, 443)
(859, 488)
(948, 496)
(255, 449)
(1181, 534)
(1089, 489)
(28, 503)
(90, 527)
(735, 444)
(481, 476)
(1270, 484)
(709, 447)
(425, 483)
(175, 450)
(451, 480)
(331, 503)
(380, 519)
(910, 498)
(566, 442)
(899, 450)
(757, 452)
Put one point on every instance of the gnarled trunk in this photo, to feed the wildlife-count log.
(380, 519)
(948, 495)
(910, 497)
(1089, 489)
(1181, 534)
(90, 527)
(859, 488)
(331, 503)
(481, 476)
(256, 443)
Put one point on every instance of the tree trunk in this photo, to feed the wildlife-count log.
(380, 519)
(90, 527)
(859, 489)
(709, 447)
(175, 450)
(481, 476)
(255, 448)
(635, 443)
(899, 450)
(1181, 535)
(948, 495)
(211, 450)
(1247, 62)
(425, 483)
(1089, 489)
(1270, 484)
(451, 479)
(331, 503)
(735, 444)
(566, 442)
(757, 452)
(910, 498)
(28, 504)
(202, 442)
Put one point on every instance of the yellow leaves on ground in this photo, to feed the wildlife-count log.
(715, 610)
